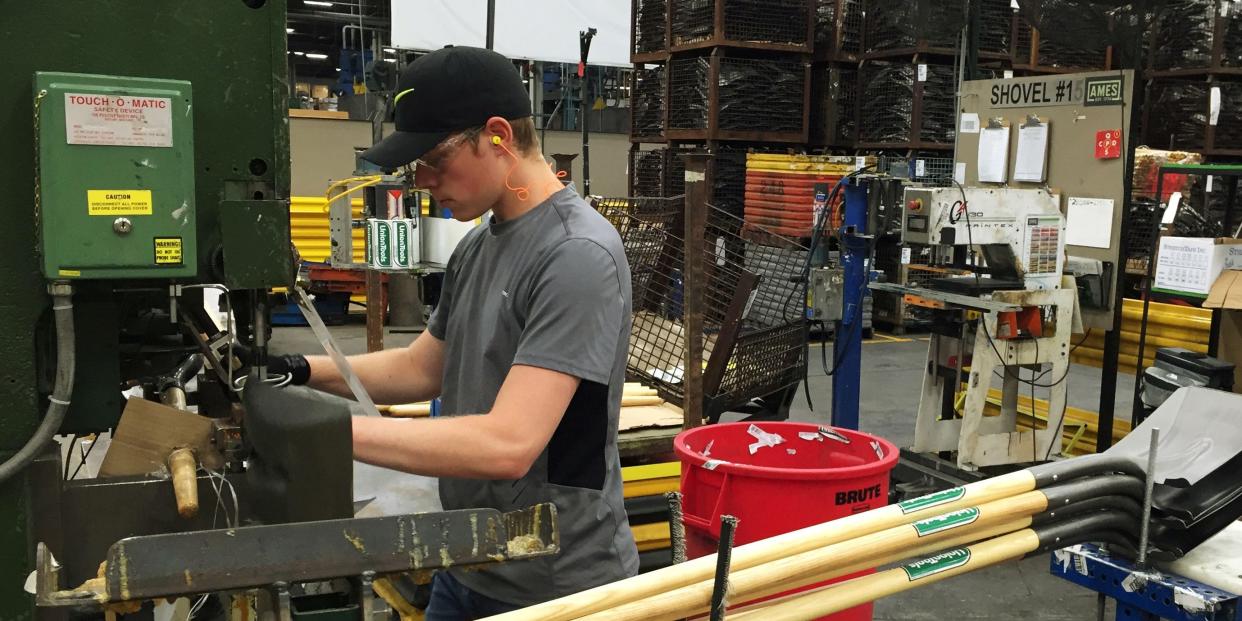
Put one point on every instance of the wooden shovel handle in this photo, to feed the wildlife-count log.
(183, 465)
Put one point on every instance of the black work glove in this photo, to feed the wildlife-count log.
(293, 365)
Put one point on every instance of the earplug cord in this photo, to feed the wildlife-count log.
(522, 192)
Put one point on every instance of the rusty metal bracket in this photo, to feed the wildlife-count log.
(160, 566)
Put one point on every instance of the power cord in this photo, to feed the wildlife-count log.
(817, 231)
(1033, 382)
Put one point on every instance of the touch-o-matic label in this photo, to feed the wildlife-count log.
(168, 251)
(118, 120)
(118, 202)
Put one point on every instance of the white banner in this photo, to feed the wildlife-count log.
(529, 29)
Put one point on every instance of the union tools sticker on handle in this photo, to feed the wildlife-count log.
(948, 521)
(936, 564)
(931, 500)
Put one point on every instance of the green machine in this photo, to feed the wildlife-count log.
(115, 170)
(146, 161)
(145, 156)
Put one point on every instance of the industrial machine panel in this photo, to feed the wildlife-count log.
(1028, 222)
(115, 190)
(1086, 122)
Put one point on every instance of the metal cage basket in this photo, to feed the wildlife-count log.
(754, 303)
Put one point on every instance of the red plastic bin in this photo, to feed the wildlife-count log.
(792, 485)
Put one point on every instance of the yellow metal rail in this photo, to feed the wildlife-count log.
(308, 225)
(651, 479)
(1081, 426)
(1168, 325)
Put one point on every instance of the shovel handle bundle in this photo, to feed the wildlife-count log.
(853, 543)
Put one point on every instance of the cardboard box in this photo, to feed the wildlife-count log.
(1190, 265)
(149, 431)
(1226, 296)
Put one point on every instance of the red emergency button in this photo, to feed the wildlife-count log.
(916, 205)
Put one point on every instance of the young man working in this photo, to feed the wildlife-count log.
(526, 348)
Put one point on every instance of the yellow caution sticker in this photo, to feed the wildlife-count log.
(168, 251)
(118, 202)
(69, 273)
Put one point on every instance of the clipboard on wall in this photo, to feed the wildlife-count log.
(1031, 165)
(993, 160)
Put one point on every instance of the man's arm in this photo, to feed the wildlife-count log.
(501, 444)
(403, 375)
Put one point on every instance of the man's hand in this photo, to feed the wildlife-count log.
(293, 365)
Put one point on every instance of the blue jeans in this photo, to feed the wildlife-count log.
(452, 601)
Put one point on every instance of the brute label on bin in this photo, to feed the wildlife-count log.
(858, 495)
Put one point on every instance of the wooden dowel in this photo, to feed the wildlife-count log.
(640, 392)
(928, 549)
(409, 410)
(628, 401)
(183, 466)
(852, 593)
(785, 572)
(645, 585)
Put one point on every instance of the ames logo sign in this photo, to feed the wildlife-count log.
(1105, 91)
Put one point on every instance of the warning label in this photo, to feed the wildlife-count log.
(118, 120)
(118, 202)
(168, 251)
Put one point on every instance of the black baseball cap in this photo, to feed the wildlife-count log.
(447, 91)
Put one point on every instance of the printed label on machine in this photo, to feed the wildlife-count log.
(118, 202)
(168, 251)
(118, 120)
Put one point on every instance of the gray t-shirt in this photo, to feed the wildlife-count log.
(551, 289)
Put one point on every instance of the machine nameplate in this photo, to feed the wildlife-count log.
(118, 120)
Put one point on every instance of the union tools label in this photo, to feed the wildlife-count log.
(931, 500)
(936, 564)
(948, 521)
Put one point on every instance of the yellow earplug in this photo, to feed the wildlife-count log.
(495, 139)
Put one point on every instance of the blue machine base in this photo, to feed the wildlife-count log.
(1143, 595)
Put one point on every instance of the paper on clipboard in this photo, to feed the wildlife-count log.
(1031, 165)
(994, 153)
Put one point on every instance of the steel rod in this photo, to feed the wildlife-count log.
(1149, 484)
(724, 553)
(676, 527)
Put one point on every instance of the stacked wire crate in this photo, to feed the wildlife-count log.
(724, 76)
(1071, 37)
(909, 71)
(1194, 97)
(834, 74)
(907, 78)
(727, 78)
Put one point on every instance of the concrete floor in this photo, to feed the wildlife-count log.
(889, 392)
